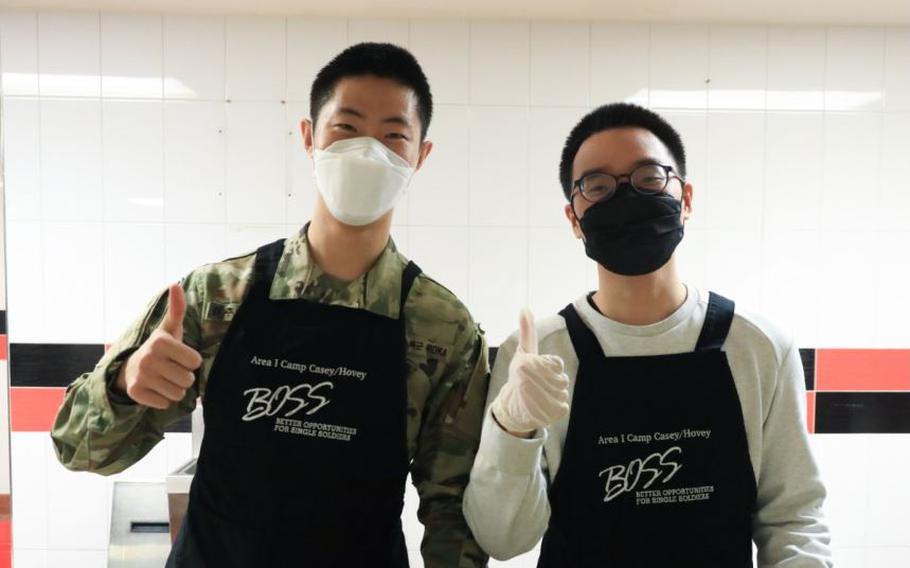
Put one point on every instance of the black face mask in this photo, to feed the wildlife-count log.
(632, 234)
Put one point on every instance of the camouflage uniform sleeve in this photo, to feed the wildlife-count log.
(96, 430)
(446, 446)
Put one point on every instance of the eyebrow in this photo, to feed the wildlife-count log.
(397, 119)
(639, 163)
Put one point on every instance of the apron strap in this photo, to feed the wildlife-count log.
(267, 257)
(410, 274)
(718, 318)
(583, 339)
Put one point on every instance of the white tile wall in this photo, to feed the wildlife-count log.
(311, 43)
(692, 126)
(847, 260)
(255, 58)
(30, 458)
(498, 284)
(557, 268)
(794, 148)
(548, 128)
(69, 55)
(77, 558)
(301, 186)
(193, 57)
(255, 153)
(30, 558)
(500, 63)
(620, 63)
(22, 165)
(167, 135)
(897, 79)
(130, 280)
(498, 167)
(895, 147)
(19, 51)
(891, 276)
(741, 273)
(738, 67)
(796, 68)
(560, 54)
(133, 161)
(194, 161)
(442, 47)
(736, 172)
(74, 285)
(25, 282)
(790, 279)
(854, 69)
(131, 56)
(443, 253)
(378, 30)
(851, 170)
(71, 160)
(438, 194)
(678, 66)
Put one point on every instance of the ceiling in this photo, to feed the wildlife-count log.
(710, 11)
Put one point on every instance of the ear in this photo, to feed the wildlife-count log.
(425, 148)
(570, 215)
(687, 194)
(306, 128)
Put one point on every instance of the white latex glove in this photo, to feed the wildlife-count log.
(536, 393)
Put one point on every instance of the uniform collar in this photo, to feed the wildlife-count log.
(298, 276)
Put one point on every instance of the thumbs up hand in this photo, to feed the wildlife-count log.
(159, 373)
(536, 393)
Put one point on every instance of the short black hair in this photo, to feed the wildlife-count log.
(384, 60)
(618, 115)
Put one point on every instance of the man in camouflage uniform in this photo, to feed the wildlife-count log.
(154, 373)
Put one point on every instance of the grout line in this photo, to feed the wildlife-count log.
(527, 181)
(103, 217)
(163, 159)
(764, 184)
(468, 300)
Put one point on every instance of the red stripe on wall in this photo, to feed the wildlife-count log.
(3, 347)
(862, 370)
(33, 409)
(6, 540)
(810, 411)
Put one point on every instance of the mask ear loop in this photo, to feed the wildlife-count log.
(575, 214)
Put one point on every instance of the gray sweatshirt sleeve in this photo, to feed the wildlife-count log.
(788, 527)
(506, 502)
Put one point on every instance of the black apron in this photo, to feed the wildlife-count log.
(655, 470)
(304, 458)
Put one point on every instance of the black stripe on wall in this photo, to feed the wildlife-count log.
(862, 412)
(808, 357)
(51, 364)
(2, 322)
(57, 365)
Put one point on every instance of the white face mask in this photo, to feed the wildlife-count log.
(360, 179)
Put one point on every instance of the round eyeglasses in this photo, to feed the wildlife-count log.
(647, 179)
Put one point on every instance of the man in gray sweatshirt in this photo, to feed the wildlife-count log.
(648, 424)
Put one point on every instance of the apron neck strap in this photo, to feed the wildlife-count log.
(582, 337)
(718, 318)
(410, 274)
(267, 257)
(714, 331)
